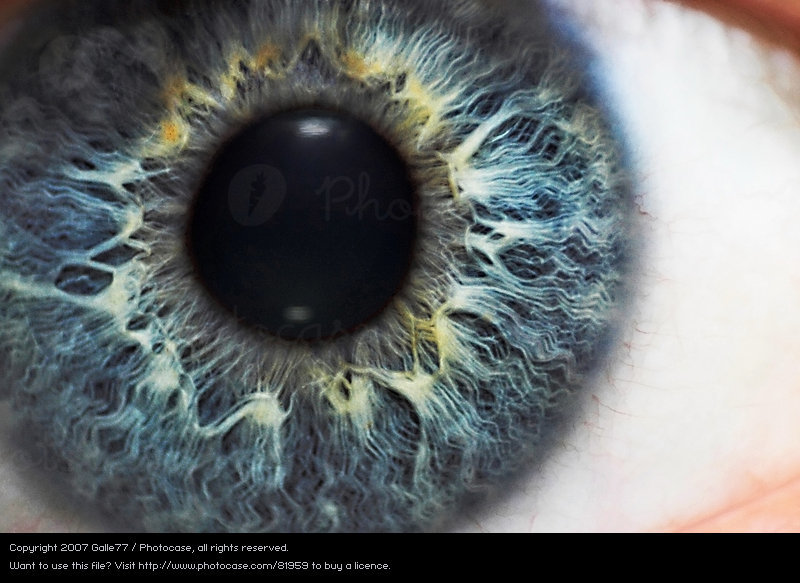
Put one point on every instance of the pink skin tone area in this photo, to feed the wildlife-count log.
(691, 425)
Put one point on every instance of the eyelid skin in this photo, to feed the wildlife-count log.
(10, 8)
(8, 13)
(775, 21)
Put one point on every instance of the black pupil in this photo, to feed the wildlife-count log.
(305, 224)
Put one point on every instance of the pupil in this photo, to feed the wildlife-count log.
(304, 225)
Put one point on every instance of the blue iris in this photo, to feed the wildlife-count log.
(168, 413)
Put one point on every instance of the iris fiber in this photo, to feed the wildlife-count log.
(168, 413)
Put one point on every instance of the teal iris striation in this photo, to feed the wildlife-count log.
(164, 409)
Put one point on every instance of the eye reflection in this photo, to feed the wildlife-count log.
(159, 404)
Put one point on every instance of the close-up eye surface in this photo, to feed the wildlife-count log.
(680, 401)
(302, 266)
(692, 424)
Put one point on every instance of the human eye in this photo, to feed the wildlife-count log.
(544, 474)
(692, 425)
(197, 328)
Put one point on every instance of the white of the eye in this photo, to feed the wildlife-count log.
(699, 408)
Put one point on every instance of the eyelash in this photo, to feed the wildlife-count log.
(521, 262)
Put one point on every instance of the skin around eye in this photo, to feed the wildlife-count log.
(776, 21)
(166, 412)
